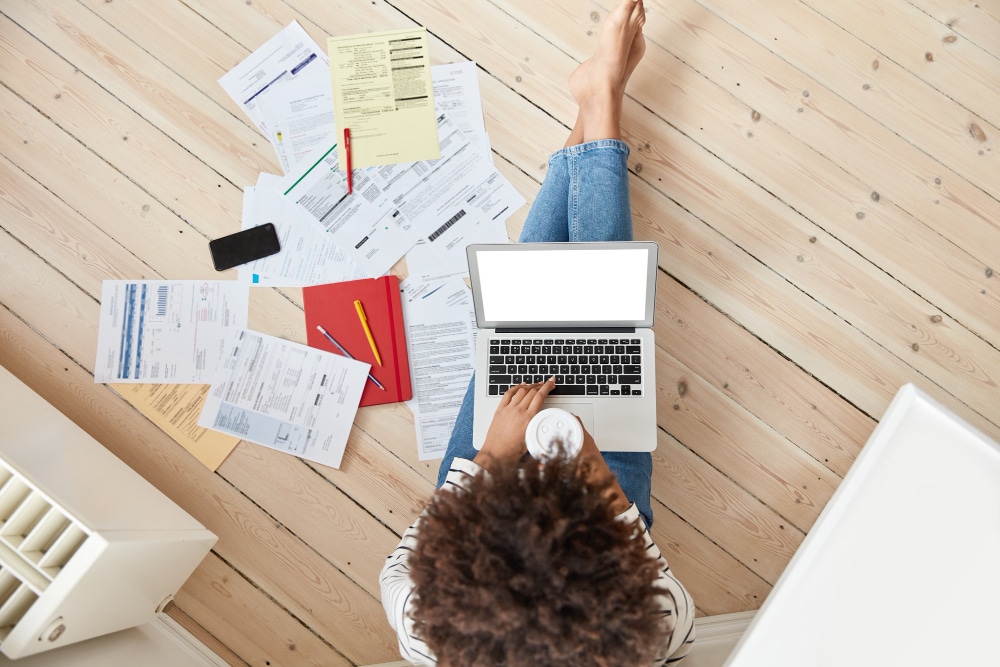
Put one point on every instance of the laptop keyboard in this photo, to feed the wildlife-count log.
(588, 366)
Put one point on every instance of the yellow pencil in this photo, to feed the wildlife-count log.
(368, 332)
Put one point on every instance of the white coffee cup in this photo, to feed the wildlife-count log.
(550, 427)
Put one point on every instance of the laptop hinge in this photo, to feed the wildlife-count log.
(564, 330)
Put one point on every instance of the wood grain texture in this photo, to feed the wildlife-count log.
(907, 35)
(221, 597)
(824, 194)
(735, 362)
(896, 97)
(979, 22)
(703, 496)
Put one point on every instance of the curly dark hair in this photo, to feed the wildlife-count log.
(529, 566)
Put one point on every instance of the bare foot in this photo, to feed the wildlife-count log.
(635, 53)
(608, 69)
(598, 84)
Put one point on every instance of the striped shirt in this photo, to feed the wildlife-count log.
(397, 588)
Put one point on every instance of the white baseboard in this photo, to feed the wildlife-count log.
(185, 641)
(716, 637)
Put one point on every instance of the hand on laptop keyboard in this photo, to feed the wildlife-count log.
(505, 437)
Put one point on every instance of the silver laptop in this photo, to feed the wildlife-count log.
(580, 311)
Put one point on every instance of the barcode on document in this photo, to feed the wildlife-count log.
(443, 228)
(161, 300)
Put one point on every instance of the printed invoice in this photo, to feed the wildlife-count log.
(166, 331)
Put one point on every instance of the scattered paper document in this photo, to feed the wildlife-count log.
(298, 113)
(286, 396)
(440, 337)
(175, 408)
(382, 92)
(366, 224)
(395, 205)
(456, 94)
(472, 204)
(166, 331)
(460, 190)
(426, 270)
(289, 54)
(308, 256)
(445, 256)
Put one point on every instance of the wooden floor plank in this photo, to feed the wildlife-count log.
(341, 530)
(978, 22)
(831, 120)
(144, 84)
(78, 247)
(742, 525)
(845, 209)
(180, 181)
(820, 264)
(896, 97)
(67, 172)
(824, 345)
(741, 446)
(792, 402)
(724, 585)
(200, 50)
(370, 474)
(910, 37)
(220, 596)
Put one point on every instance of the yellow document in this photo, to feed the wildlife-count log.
(175, 409)
(382, 92)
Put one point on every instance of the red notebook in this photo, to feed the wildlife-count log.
(332, 307)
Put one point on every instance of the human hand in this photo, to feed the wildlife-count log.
(505, 437)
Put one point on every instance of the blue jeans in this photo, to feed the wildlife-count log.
(584, 197)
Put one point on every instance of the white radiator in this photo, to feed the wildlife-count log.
(87, 546)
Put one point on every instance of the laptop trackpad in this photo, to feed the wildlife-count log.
(585, 411)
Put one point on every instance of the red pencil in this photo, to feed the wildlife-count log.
(347, 151)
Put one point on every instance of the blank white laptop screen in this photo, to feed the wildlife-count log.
(580, 286)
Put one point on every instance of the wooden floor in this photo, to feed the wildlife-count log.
(821, 178)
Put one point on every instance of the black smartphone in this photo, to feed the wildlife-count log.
(244, 246)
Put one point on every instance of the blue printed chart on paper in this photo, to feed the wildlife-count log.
(166, 331)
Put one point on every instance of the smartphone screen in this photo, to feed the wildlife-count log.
(245, 246)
